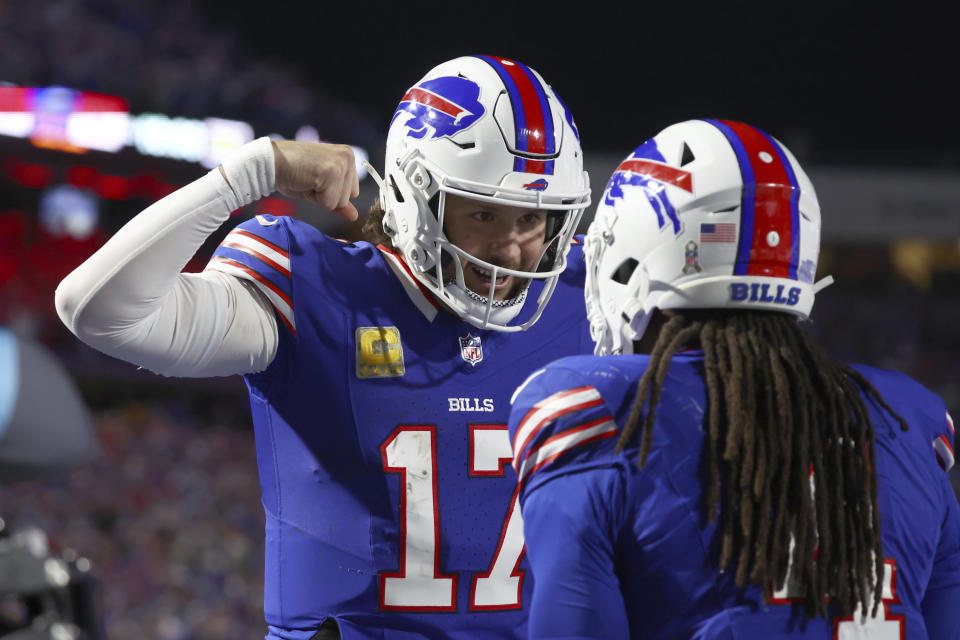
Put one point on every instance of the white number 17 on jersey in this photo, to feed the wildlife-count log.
(419, 586)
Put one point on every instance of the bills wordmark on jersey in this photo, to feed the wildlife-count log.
(484, 405)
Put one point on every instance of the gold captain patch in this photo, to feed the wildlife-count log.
(379, 352)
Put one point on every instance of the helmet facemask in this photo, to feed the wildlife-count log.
(617, 316)
(439, 263)
(480, 154)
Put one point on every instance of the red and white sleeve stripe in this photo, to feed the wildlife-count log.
(548, 409)
(255, 251)
(250, 244)
(560, 443)
(943, 448)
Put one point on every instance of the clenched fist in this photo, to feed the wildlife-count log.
(325, 174)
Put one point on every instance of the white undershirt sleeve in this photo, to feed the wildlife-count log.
(129, 299)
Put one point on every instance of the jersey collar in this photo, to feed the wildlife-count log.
(421, 298)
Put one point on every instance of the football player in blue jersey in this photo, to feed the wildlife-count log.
(716, 474)
(379, 373)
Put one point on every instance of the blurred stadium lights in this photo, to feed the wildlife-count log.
(105, 185)
(223, 137)
(64, 119)
(77, 121)
(308, 133)
(154, 134)
(67, 210)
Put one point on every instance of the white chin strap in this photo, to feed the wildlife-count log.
(634, 316)
(822, 284)
(619, 341)
(634, 329)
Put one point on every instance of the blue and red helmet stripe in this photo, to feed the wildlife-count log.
(533, 120)
(770, 203)
(794, 206)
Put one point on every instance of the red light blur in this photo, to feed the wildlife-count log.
(275, 207)
(82, 177)
(113, 187)
(34, 176)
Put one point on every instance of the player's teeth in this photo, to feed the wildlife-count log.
(486, 273)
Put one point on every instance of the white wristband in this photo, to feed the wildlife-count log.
(250, 171)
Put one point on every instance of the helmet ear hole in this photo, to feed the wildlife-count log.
(622, 273)
(396, 190)
(434, 204)
(551, 236)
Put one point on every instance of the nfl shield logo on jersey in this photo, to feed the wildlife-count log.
(471, 349)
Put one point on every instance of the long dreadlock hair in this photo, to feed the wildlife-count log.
(788, 454)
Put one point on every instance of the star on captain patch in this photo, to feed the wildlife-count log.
(471, 349)
(379, 353)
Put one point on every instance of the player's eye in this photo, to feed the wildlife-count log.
(532, 218)
(482, 216)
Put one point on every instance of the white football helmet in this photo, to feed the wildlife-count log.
(490, 129)
(708, 214)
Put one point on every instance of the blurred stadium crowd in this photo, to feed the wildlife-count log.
(876, 315)
(166, 57)
(168, 514)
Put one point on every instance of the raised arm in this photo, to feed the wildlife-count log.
(129, 299)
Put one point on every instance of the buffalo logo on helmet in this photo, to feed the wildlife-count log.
(440, 107)
(646, 168)
(536, 185)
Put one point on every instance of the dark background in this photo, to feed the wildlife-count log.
(841, 82)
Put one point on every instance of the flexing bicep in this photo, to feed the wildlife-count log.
(570, 545)
(130, 300)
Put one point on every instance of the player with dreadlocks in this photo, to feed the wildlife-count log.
(722, 476)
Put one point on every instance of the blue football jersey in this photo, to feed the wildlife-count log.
(619, 551)
(381, 433)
